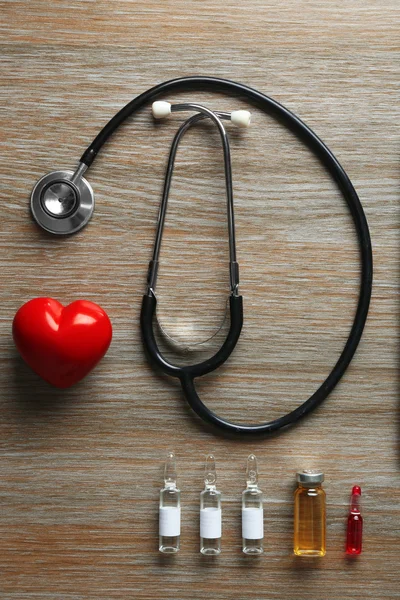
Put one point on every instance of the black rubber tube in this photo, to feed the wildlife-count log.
(271, 107)
(207, 366)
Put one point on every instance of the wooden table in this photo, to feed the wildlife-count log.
(81, 469)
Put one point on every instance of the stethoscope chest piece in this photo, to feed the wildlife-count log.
(61, 203)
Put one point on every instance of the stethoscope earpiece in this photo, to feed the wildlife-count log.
(62, 202)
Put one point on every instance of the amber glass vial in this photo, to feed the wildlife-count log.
(309, 515)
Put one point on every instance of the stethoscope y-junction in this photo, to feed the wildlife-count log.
(62, 202)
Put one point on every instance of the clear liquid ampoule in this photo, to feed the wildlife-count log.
(309, 515)
(252, 511)
(170, 510)
(210, 511)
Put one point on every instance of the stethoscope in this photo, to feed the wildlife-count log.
(62, 202)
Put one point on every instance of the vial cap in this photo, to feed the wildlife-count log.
(309, 476)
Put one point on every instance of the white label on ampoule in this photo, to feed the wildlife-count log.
(170, 521)
(252, 523)
(210, 523)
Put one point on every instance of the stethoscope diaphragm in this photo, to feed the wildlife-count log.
(60, 204)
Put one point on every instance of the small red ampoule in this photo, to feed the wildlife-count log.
(354, 523)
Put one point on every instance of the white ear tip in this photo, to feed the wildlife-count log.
(161, 109)
(241, 118)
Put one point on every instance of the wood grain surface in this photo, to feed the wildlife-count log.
(80, 469)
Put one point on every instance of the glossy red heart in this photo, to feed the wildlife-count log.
(60, 343)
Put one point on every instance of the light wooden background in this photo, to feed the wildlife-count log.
(80, 470)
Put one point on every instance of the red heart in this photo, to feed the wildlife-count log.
(61, 343)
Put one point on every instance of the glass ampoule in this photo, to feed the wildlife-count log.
(309, 515)
(210, 511)
(354, 523)
(252, 511)
(170, 510)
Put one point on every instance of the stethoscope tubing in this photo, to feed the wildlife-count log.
(296, 125)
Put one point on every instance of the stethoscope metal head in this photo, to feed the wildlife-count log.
(62, 202)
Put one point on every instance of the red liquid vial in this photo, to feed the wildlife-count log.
(354, 523)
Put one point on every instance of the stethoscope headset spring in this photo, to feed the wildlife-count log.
(77, 207)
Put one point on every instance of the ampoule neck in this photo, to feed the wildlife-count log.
(170, 485)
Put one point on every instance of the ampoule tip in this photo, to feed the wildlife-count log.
(252, 470)
(210, 472)
(170, 470)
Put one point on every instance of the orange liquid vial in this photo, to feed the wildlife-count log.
(309, 515)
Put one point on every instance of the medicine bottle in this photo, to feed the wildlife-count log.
(252, 511)
(210, 511)
(354, 523)
(309, 515)
(169, 510)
